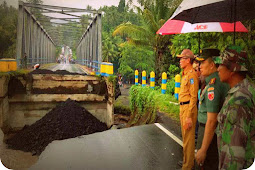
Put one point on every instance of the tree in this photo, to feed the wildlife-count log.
(110, 49)
(121, 6)
(35, 11)
(145, 36)
(84, 20)
(8, 31)
(112, 18)
(135, 58)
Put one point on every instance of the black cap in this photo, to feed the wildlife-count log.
(207, 53)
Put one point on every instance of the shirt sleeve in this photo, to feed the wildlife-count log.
(193, 80)
(236, 138)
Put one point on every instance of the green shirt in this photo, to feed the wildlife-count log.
(212, 97)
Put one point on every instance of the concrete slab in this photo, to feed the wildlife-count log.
(143, 147)
(1, 137)
(73, 68)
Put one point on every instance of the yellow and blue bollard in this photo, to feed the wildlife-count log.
(106, 69)
(177, 86)
(152, 80)
(136, 77)
(143, 78)
(163, 86)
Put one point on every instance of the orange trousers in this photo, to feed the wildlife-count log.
(188, 137)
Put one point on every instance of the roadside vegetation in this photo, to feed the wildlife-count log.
(146, 102)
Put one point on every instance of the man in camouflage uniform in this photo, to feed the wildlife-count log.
(236, 120)
(211, 101)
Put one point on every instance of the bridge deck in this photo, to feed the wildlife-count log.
(73, 68)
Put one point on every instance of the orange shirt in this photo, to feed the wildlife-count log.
(189, 89)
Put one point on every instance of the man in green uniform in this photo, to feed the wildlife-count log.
(211, 101)
(236, 120)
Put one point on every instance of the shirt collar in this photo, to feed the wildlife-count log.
(238, 85)
(187, 71)
(208, 78)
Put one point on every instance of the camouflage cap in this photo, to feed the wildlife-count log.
(234, 58)
(207, 53)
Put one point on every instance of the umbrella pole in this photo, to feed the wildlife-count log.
(235, 33)
(199, 43)
(235, 23)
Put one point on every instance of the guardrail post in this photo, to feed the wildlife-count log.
(143, 78)
(164, 80)
(136, 77)
(152, 80)
(177, 86)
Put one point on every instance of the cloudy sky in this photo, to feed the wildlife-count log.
(73, 3)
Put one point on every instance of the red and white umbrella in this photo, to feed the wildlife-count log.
(179, 27)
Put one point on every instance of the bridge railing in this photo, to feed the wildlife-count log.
(32, 40)
(95, 65)
(89, 49)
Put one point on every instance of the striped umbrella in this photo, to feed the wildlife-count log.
(179, 27)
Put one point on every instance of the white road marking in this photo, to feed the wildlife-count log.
(176, 139)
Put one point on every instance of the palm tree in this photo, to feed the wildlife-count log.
(109, 50)
(146, 36)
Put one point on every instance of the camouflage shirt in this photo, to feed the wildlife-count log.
(236, 127)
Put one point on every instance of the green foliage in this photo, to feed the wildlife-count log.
(170, 85)
(20, 72)
(111, 50)
(145, 101)
(121, 6)
(145, 36)
(112, 79)
(143, 60)
(8, 31)
(142, 104)
(112, 17)
(172, 71)
(122, 109)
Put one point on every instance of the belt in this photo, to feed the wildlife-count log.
(182, 103)
(201, 124)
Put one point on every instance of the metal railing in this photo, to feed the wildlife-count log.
(32, 39)
(90, 45)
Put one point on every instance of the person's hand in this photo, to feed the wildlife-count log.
(188, 123)
(200, 157)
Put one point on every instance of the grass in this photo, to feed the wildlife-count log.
(121, 105)
(164, 105)
(15, 73)
(145, 99)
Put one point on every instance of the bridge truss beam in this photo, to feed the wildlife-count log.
(32, 40)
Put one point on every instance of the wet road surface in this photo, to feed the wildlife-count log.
(73, 68)
(136, 148)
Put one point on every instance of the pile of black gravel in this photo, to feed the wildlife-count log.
(68, 120)
(61, 72)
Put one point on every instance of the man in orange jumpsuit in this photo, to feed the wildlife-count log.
(188, 107)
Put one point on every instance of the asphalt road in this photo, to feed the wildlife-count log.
(136, 148)
(73, 68)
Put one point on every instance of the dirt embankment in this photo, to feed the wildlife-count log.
(68, 120)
